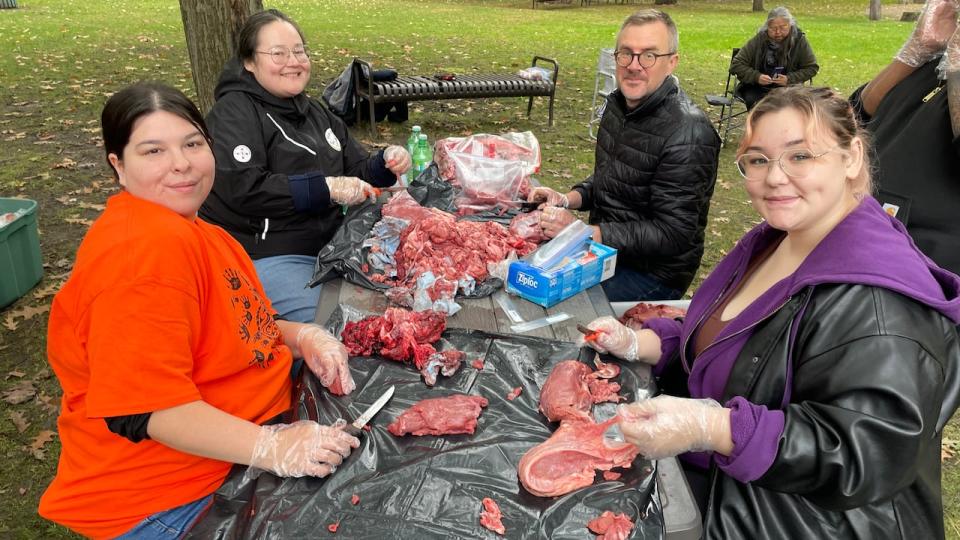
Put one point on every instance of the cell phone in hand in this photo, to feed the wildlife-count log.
(777, 71)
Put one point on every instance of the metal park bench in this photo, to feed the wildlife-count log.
(426, 88)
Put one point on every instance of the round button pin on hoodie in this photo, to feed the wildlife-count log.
(332, 140)
(242, 153)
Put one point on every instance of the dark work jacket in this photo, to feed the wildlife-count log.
(652, 181)
(842, 472)
(799, 62)
(273, 156)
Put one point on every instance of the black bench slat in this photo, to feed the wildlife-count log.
(419, 88)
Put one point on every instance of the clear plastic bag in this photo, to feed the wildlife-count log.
(490, 170)
(570, 241)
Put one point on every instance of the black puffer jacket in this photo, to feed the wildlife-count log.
(652, 182)
(273, 155)
(818, 486)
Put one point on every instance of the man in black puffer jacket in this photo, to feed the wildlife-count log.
(656, 165)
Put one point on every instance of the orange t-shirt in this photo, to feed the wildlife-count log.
(159, 311)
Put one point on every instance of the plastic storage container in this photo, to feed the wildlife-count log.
(20, 264)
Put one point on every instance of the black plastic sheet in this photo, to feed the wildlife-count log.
(344, 256)
(432, 487)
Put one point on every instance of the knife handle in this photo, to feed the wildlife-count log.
(351, 429)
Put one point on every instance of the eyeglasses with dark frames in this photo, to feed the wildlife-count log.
(647, 59)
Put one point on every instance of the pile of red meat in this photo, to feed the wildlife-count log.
(610, 526)
(452, 250)
(642, 312)
(449, 415)
(404, 336)
(569, 459)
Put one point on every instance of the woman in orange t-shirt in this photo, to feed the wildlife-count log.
(167, 348)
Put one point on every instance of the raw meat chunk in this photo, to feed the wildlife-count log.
(514, 393)
(610, 526)
(642, 312)
(440, 416)
(490, 516)
(569, 459)
(572, 388)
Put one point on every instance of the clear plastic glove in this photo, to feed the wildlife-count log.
(614, 338)
(937, 22)
(553, 219)
(326, 357)
(548, 197)
(349, 190)
(303, 448)
(951, 58)
(666, 426)
(397, 159)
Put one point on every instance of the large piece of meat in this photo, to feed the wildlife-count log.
(440, 416)
(610, 526)
(572, 388)
(642, 312)
(405, 336)
(569, 459)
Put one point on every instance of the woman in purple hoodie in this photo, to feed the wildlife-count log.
(818, 363)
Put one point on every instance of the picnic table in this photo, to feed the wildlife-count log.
(427, 487)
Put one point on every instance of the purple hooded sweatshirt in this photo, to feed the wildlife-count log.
(868, 247)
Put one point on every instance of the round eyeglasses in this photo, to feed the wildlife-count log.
(795, 163)
(280, 55)
(624, 57)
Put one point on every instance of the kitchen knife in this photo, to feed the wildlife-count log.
(357, 426)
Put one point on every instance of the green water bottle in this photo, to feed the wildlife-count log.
(421, 155)
(412, 142)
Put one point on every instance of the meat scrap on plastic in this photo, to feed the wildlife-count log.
(642, 312)
(405, 336)
(572, 388)
(514, 393)
(610, 526)
(569, 459)
(450, 415)
(490, 516)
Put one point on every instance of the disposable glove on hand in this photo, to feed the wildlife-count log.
(951, 58)
(397, 159)
(613, 338)
(349, 190)
(326, 357)
(303, 448)
(666, 426)
(548, 197)
(553, 219)
(937, 22)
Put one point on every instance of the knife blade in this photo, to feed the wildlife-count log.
(357, 426)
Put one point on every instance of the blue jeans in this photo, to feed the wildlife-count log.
(285, 279)
(628, 285)
(169, 524)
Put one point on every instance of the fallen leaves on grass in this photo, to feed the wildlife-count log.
(67, 163)
(81, 221)
(26, 313)
(47, 290)
(948, 449)
(15, 373)
(19, 420)
(21, 393)
(36, 448)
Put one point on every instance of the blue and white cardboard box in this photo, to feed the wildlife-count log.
(594, 264)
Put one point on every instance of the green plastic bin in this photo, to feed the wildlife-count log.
(20, 265)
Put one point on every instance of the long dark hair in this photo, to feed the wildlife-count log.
(247, 38)
(123, 109)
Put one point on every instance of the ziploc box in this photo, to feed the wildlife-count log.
(548, 287)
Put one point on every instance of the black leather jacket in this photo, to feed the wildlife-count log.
(652, 182)
(860, 452)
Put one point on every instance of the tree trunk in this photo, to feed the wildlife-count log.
(874, 10)
(211, 28)
(757, 5)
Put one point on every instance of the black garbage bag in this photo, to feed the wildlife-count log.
(432, 487)
(344, 256)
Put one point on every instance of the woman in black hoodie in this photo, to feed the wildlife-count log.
(287, 168)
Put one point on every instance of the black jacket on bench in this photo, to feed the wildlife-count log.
(273, 155)
(652, 182)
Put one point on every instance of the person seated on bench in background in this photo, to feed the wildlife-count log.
(654, 171)
(777, 56)
(912, 111)
(167, 350)
(821, 351)
(286, 166)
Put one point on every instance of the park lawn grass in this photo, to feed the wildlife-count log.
(61, 59)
